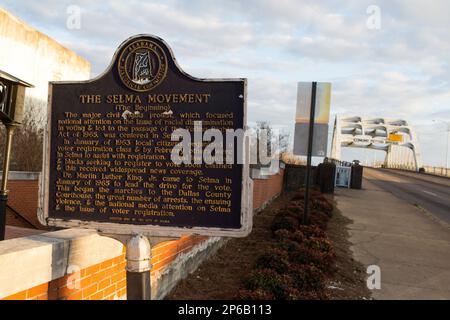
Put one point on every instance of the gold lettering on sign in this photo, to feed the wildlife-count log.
(168, 98)
(115, 162)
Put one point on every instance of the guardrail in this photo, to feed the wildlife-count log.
(439, 171)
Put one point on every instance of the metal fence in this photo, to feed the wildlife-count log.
(439, 171)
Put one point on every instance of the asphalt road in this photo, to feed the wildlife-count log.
(428, 192)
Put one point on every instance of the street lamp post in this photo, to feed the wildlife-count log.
(4, 190)
(12, 106)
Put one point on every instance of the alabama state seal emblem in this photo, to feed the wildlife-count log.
(142, 65)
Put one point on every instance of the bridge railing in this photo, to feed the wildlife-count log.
(439, 171)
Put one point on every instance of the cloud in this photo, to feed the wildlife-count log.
(400, 70)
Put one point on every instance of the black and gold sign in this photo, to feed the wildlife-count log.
(108, 164)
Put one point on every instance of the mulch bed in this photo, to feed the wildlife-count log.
(223, 275)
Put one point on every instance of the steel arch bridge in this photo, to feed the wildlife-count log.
(394, 136)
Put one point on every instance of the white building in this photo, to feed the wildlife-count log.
(36, 58)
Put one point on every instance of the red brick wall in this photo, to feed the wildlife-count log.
(107, 280)
(103, 281)
(23, 199)
(164, 253)
(266, 189)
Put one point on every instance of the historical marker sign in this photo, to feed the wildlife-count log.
(108, 159)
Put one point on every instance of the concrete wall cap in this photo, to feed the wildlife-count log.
(30, 261)
(23, 175)
(138, 254)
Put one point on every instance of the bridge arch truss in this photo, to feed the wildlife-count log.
(394, 136)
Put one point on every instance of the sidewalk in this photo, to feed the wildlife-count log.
(412, 250)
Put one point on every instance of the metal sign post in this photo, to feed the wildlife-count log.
(310, 146)
(138, 262)
(138, 268)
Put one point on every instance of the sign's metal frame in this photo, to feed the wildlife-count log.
(246, 214)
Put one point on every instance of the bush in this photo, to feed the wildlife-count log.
(319, 219)
(294, 209)
(316, 201)
(314, 193)
(311, 231)
(270, 281)
(304, 255)
(292, 294)
(295, 294)
(281, 234)
(319, 244)
(284, 222)
(295, 268)
(307, 277)
(257, 294)
(288, 245)
(276, 259)
(323, 205)
(300, 195)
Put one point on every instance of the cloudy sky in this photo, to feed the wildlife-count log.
(397, 66)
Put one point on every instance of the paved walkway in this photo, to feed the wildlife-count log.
(411, 248)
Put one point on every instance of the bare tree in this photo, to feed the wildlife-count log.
(283, 143)
(264, 133)
(26, 149)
